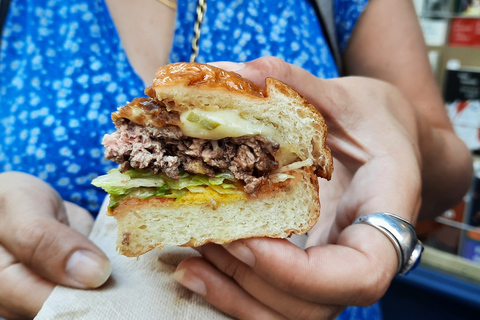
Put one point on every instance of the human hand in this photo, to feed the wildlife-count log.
(373, 136)
(38, 249)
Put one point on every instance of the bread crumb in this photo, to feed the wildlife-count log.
(126, 238)
(213, 204)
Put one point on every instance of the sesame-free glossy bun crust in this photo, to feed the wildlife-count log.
(206, 77)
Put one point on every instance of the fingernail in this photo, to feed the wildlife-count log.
(87, 269)
(228, 66)
(190, 281)
(241, 252)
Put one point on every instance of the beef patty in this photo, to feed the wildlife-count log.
(166, 150)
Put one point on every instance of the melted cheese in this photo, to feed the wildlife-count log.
(232, 125)
(210, 196)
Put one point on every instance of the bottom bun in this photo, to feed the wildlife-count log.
(277, 211)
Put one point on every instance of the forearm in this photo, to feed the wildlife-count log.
(446, 170)
(444, 161)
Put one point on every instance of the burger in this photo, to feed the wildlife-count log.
(209, 156)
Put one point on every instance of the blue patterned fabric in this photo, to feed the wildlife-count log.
(245, 30)
(346, 15)
(63, 71)
(372, 312)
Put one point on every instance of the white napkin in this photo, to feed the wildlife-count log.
(137, 289)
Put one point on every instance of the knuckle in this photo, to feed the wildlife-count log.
(32, 239)
(275, 66)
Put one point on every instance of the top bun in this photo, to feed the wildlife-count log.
(190, 86)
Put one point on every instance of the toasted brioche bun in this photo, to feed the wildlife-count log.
(278, 212)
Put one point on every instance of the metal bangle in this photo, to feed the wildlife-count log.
(401, 233)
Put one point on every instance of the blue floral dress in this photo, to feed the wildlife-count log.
(63, 71)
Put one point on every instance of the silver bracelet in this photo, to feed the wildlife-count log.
(401, 233)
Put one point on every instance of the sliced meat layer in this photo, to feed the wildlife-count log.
(166, 150)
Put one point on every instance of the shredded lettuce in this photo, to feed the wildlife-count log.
(143, 184)
(140, 193)
(296, 165)
(117, 183)
(225, 189)
(280, 177)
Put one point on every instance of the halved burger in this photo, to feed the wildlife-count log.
(210, 156)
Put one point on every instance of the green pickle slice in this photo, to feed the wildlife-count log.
(202, 121)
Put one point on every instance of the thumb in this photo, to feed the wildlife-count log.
(260, 69)
(60, 254)
(30, 229)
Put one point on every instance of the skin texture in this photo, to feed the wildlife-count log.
(36, 244)
(138, 22)
(387, 131)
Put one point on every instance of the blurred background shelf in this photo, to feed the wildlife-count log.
(444, 286)
(427, 293)
(451, 264)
